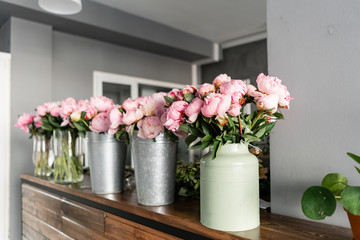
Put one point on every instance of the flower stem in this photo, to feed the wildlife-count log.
(240, 125)
(257, 118)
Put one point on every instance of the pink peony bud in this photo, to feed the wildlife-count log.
(100, 123)
(55, 111)
(216, 104)
(115, 117)
(41, 110)
(150, 127)
(252, 91)
(175, 115)
(268, 102)
(235, 88)
(130, 104)
(132, 116)
(174, 94)
(220, 80)
(101, 103)
(75, 116)
(267, 84)
(23, 121)
(90, 113)
(205, 89)
(193, 110)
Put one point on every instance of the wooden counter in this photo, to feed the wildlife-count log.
(54, 211)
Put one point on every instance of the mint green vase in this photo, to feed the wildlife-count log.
(229, 189)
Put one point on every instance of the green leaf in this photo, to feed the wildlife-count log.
(184, 127)
(335, 182)
(82, 134)
(350, 199)
(231, 122)
(249, 137)
(207, 138)
(121, 110)
(357, 169)
(196, 146)
(190, 139)
(169, 100)
(261, 132)
(206, 128)
(80, 127)
(318, 202)
(355, 157)
(53, 122)
(270, 126)
(278, 115)
(47, 127)
(189, 97)
(205, 144)
(83, 114)
(195, 131)
(217, 145)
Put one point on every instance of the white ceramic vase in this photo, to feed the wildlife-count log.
(229, 189)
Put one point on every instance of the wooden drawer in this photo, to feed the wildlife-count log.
(116, 226)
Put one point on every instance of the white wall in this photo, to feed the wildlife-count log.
(314, 46)
(75, 58)
(4, 143)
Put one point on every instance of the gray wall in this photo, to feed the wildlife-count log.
(314, 46)
(241, 62)
(5, 37)
(75, 58)
(30, 85)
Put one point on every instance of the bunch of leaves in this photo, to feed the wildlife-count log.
(51, 123)
(242, 128)
(318, 202)
(34, 131)
(188, 179)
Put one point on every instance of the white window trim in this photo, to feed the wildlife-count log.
(101, 77)
(5, 144)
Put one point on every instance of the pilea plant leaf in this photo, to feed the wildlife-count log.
(350, 199)
(335, 182)
(318, 203)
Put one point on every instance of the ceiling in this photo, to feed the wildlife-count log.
(215, 20)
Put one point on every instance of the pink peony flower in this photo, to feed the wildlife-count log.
(37, 121)
(101, 103)
(132, 116)
(284, 96)
(69, 101)
(66, 110)
(267, 84)
(188, 89)
(193, 109)
(216, 104)
(174, 94)
(90, 113)
(23, 121)
(235, 88)
(150, 127)
(268, 102)
(115, 117)
(83, 105)
(130, 104)
(160, 103)
(100, 123)
(220, 80)
(55, 111)
(147, 105)
(252, 91)
(234, 109)
(41, 110)
(175, 115)
(205, 89)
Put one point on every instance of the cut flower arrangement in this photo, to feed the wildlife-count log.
(214, 112)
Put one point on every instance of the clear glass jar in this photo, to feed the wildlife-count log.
(41, 155)
(68, 163)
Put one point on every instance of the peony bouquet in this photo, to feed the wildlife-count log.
(214, 113)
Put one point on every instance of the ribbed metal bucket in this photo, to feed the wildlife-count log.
(106, 157)
(155, 169)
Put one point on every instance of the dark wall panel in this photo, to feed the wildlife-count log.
(240, 62)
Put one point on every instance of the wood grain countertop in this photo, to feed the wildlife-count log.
(183, 216)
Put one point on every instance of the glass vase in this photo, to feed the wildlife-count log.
(68, 166)
(41, 154)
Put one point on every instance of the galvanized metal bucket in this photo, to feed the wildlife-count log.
(155, 169)
(106, 157)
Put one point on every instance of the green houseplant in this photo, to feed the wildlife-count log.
(318, 202)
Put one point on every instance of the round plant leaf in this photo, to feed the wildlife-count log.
(318, 202)
(350, 199)
(335, 182)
